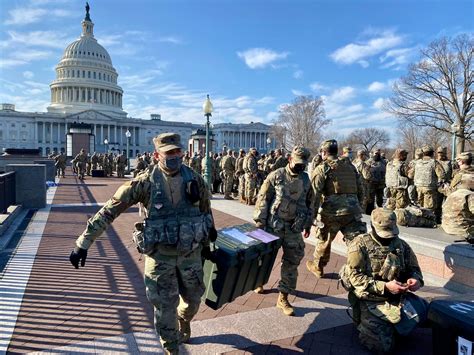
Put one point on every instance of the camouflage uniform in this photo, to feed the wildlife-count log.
(88, 165)
(186, 159)
(373, 259)
(337, 185)
(427, 173)
(196, 163)
(280, 162)
(94, 161)
(284, 208)
(60, 164)
(121, 162)
(364, 173)
(240, 175)
(173, 265)
(314, 163)
(464, 161)
(80, 161)
(251, 170)
(396, 179)
(458, 209)
(414, 216)
(141, 166)
(376, 181)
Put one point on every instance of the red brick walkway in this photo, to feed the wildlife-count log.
(63, 305)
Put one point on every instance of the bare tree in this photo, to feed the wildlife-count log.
(368, 138)
(437, 92)
(302, 121)
(410, 137)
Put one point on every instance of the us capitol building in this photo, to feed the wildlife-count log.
(86, 98)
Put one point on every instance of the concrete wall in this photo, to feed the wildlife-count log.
(30, 184)
(50, 168)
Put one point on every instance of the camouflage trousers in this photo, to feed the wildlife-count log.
(81, 169)
(350, 226)
(120, 170)
(228, 183)
(427, 197)
(242, 186)
(250, 187)
(375, 333)
(375, 195)
(174, 285)
(398, 198)
(60, 170)
(293, 252)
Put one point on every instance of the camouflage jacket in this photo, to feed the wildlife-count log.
(280, 162)
(250, 164)
(135, 191)
(363, 169)
(325, 177)
(239, 166)
(81, 158)
(458, 213)
(228, 164)
(437, 172)
(456, 181)
(60, 160)
(367, 260)
(285, 197)
(448, 169)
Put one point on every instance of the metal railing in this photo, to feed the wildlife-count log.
(7, 190)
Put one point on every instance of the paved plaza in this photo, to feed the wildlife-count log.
(47, 306)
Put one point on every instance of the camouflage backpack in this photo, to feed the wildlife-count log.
(425, 175)
(414, 216)
(393, 177)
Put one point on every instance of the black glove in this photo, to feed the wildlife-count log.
(78, 254)
(207, 254)
(212, 234)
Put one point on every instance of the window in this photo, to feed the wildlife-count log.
(100, 76)
(23, 125)
(13, 125)
(73, 73)
(83, 73)
(94, 76)
(89, 74)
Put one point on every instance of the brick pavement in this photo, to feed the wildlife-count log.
(63, 306)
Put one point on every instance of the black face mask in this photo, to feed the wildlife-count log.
(376, 157)
(298, 168)
(173, 164)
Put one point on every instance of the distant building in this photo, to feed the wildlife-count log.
(86, 91)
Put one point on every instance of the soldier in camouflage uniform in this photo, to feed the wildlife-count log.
(60, 164)
(268, 162)
(228, 169)
(464, 161)
(337, 185)
(376, 181)
(141, 166)
(414, 216)
(347, 153)
(427, 174)
(196, 163)
(396, 179)
(94, 161)
(314, 163)
(442, 157)
(458, 209)
(240, 175)
(88, 165)
(284, 208)
(80, 162)
(121, 163)
(280, 160)
(381, 268)
(251, 170)
(364, 173)
(186, 158)
(177, 226)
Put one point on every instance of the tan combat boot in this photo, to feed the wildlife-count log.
(259, 290)
(315, 270)
(285, 305)
(228, 197)
(184, 330)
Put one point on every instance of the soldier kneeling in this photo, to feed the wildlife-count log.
(381, 271)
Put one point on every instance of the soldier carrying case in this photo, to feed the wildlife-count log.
(244, 258)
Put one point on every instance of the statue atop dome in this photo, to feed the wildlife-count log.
(87, 12)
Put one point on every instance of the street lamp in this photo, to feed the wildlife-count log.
(128, 135)
(207, 108)
(269, 141)
(106, 141)
(454, 130)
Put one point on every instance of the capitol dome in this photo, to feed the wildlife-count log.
(86, 78)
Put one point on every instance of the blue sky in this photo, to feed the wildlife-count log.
(250, 56)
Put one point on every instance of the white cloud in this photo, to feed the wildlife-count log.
(171, 39)
(27, 15)
(28, 74)
(363, 63)
(378, 104)
(298, 74)
(341, 94)
(377, 86)
(49, 39)
(398, 59)
(358, 52)
(8, 62)
(258, 58)
(317, 86)
(28, 55)
(297, 92)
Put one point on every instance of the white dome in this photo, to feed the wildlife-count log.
(86, 78)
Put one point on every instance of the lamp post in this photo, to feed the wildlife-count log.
(106, 142)
(454, 129)
(128, 135)
(207, 108)
(269, 141)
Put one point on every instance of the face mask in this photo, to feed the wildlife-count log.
(173, 164)
(376, 157)
(298, 168)
(350, 155)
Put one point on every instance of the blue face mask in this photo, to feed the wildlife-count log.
(173, 164)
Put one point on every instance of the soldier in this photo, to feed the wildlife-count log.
(196, 163)
(458, 209)
(284, 207)
(88, 165)
(314, 163)
(347, 153)
(186, 159)
(251, 170)
(240, 175)
(104, 162)
(427, 174)
(80, 161)
(141, 166)
(215, 174)
(376, 181)
(176, 201)
(60, 164)
(396, 179)
(228, 169)
(381, 268)
(464, 161)
(94, 161)
(268, 162)
(336, 183)
(121, 162)
(442, 157)
(280, 160)
(364, 172)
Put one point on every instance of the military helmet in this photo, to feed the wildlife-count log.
(427, 149)
(464, 156)
(347, 149)
(329, 146)
(384, 221)
(442, 150)
(300, 155)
